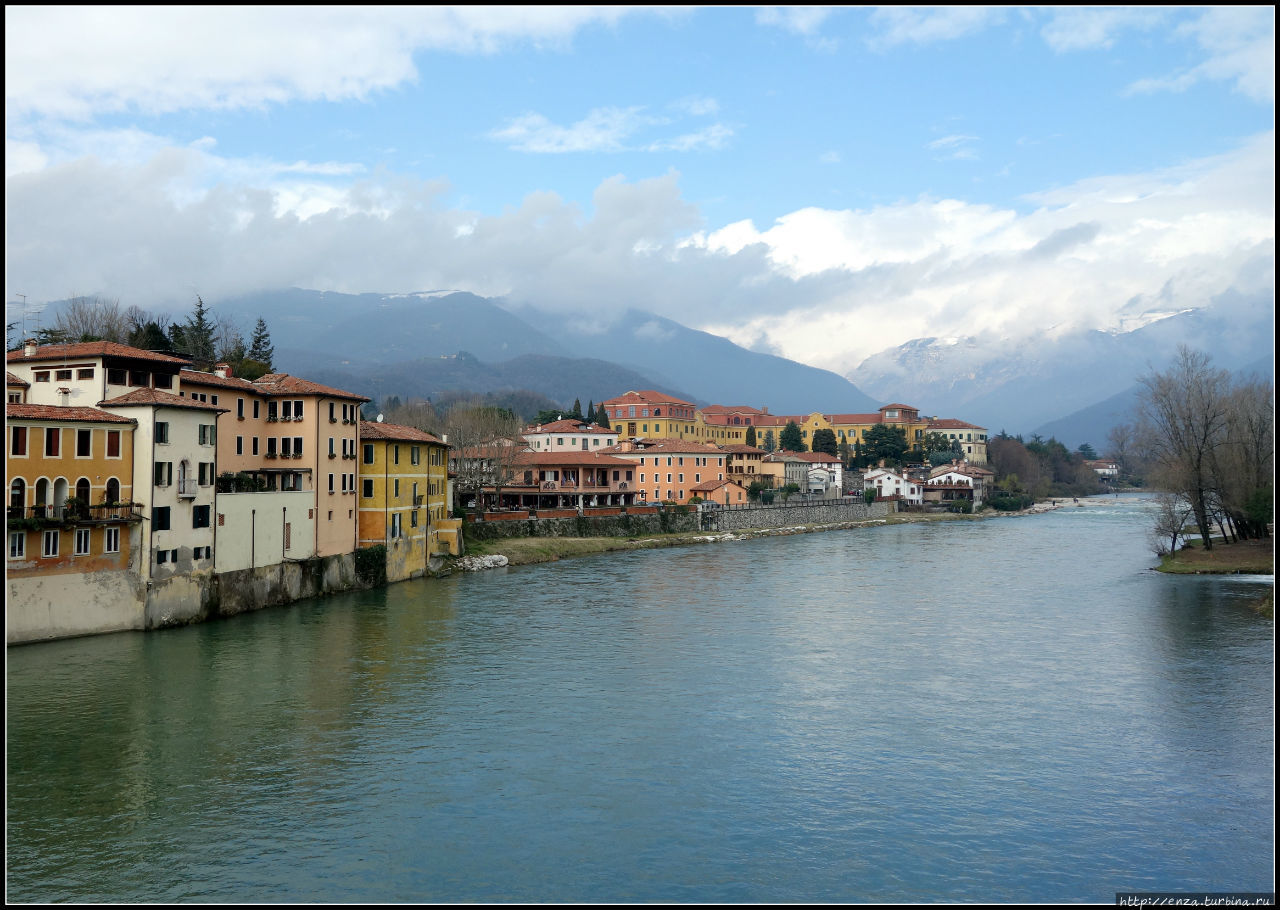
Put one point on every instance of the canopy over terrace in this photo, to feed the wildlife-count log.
(565, 480)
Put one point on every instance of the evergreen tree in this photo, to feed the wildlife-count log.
(591, 412)
(791, 440)
(199, 337)
(602, 417)
(769, 443)
(751, 436)
(824, 441)
(260, 347)
(577, 408)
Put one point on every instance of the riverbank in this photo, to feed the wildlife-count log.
(523, 551)
(1244, 557)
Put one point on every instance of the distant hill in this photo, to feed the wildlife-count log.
(999, 383)
(400, 344)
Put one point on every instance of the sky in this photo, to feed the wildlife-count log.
(817, 182)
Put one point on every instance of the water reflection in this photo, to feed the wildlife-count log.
(1008, 710)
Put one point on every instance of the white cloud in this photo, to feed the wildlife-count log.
(866, 279)
(1240, 43)
(799, 20)
(955, 147)
(897, 25)
(1089, 27)
(65, 62)
(606, 129)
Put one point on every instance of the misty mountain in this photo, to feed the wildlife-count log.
(1093, 423)
(387, 344)
(1022, 385)
(717, 370)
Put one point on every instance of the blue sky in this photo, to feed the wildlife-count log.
(759, 172)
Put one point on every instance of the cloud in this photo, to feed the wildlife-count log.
(75, 63)
(1240, 44)
(799, 20)
(896, 25)
(954, 147)
(606, 129)
(824, 286)
(1088, 28)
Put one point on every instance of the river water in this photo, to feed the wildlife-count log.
(1007, 710)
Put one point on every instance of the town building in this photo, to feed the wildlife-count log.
(889, 484)
(668, 469)
(562, 435)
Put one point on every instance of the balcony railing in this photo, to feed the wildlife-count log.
(187, 489)
(74, 512)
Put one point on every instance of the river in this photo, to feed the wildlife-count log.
(1007, 710)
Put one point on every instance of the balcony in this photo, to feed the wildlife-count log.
(187, 489)
(73, 512)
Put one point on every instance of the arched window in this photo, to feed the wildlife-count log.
(113, 490)
(17, 497)
(60, 490)
(82, 489)
(42, 492)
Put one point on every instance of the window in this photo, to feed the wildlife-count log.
(160, 518)
(17, 544)
(163, 473)
(239, 445)
(200, 517)
(84, 443)
(332, 453)
(139, 378)
(395, 526)
(113, 443)
(18, 441)
(205, 469)
(84, 373)
(413, 518)
(415, 455)
(333, 419)
(115, 377)
(368, 453)
(395, 454)
(162, 432)
(297, 410)
(82, 542)
(50, 544)
(396, 488)
(42, 376)
(297, 445)
(162, 556)
(62, 375)
(271, 447)
(163, 381)
(330, 483)
(367, 493)
(286, 410)
(271, 410)
(52, 442)
(255, 409)
(111, 540)
(254, 447)
(240, 408)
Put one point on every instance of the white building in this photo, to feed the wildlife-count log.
(888, 483)
(569, 435)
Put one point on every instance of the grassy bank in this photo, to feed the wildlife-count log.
(1245, 557)
(524, 551)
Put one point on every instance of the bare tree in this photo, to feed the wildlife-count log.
(92, 319)
(1244, 465)
(1171, 517)
(228, 340)
(1184, 418)
(416, 413)
(484, 444)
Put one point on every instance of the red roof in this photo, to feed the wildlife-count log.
(950, 423)
(284, 384)
(568, 426)
(61, 413)
(739, 449)
(199, 377)
(142, 397)
(589, 459)
(649, 446)
(647, 396)
(370, 429)
(16, 380)
(817, 457)
(709, 486)
(91, 349)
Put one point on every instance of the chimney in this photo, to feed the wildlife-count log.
(223, 370)
(29, 348)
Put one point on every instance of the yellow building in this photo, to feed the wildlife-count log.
(71, 503)
(403, 484)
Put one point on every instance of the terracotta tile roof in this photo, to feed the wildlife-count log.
(665, 445)
(950, 423)
(648, 396)
(199, 377)
(739, 449)
(284, 384)
(91, 349)
(568, 426)
(16, 380)
(589, 459)
(817, 457)
(710, 486)
(370, 429)
(143, 397)
(61, 413)
(899, 407)
(852, 418)
(731, 409)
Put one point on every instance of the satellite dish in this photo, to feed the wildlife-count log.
(379, 418)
